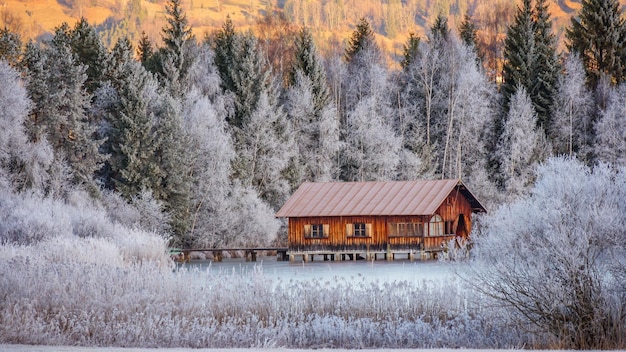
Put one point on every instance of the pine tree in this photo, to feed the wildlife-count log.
(519, 53)
(173, 159)
(10, 46)
(144, 49)
(131, 125)
(362, 40)
(468, 31)
(177, 55)
(598, 35)
(309, 63)
(87, 46)
(250, 77)
(60, 113)
(546, 68)
(224, 46)
(439, 31)
(410, 51)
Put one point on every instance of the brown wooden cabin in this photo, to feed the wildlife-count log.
(354, 219)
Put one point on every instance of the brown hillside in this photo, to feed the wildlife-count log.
(332, 20)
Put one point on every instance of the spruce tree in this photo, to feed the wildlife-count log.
(598, 35)
(176, 57)
(177, 35)
(468, 31)
(362, 39)
(519, 53)
(57, 81)
(309, 63)
(144, 49)
(87, 46)
(439, 31)
(546, 68)
(224, 46)
(251, 76)
(131, 133)
(410, 51)
(10, 46)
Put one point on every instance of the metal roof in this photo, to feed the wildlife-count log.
(372, 198)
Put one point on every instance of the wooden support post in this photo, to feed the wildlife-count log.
(253, 256)
(411, 255)
(217, 256)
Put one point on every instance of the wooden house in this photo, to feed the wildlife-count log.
(339, 220)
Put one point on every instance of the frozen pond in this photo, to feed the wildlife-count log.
(373, 271)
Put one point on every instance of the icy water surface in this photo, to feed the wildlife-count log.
(379, 270)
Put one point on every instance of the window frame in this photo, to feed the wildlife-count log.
(405, 229)
(312, 231)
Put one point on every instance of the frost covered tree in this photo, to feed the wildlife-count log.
(173, 159)
(264, 145)
(547, 66)
(57, 86)
(572, 131)
(10, 46)
(89, 50)
(128, 105)
(23, 164)
(598, 35)
(178, 54)
(410, 50)
(316, 132)
(225, 53)
(522, 145)
(371, 145)
(554, 259)
(610, 130)
(531, 60)
(362, 40)
(308, 62)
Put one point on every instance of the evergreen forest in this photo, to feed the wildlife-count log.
(215, 133)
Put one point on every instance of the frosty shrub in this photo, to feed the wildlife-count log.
(556, 259)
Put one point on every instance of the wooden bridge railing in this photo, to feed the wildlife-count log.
(183, 254)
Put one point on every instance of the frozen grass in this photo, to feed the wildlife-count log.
(146, 305)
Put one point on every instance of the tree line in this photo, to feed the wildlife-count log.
(218, 138)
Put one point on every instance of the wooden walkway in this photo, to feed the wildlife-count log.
(183, 254)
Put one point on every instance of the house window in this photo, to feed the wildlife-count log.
(316, 230)
(435, 226)
(359, 230)
(405, 229)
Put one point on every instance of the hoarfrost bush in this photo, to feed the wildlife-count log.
(28, 218)
(556, 258)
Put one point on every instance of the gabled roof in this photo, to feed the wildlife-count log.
(372, 198)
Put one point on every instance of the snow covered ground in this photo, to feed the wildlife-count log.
(21, 348)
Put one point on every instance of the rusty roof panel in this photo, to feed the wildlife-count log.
(371, 198)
